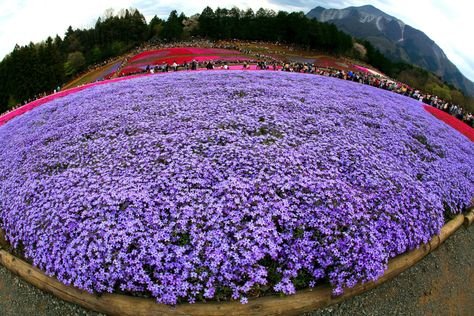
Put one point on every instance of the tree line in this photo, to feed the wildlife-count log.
(267, 25)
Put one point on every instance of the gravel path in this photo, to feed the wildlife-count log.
(441, 284)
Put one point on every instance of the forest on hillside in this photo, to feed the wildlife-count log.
(36, 68)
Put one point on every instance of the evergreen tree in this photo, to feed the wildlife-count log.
(155, 27)
(207, 21)
(173, 27)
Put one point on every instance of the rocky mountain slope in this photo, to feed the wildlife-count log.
(395, 39)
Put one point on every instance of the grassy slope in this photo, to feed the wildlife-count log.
(90, 76)
(431, 84)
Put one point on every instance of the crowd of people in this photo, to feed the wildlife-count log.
(360, 77)
(271, 61)
(401, 88)
(34, 98)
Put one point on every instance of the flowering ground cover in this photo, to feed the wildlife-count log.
(299, 59)
(217, 184)
(452, 121)
(332, 62)
(150, 54)
(102, 73)
(363, 69)
(140, 67)
(32, 105)
(180, 55)
(110, 71)
(177, 51)
(189, 58)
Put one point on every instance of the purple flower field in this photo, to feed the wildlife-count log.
(211, 185)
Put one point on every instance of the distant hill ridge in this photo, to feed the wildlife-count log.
(395, 39)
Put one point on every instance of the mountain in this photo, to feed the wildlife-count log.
(395, 39)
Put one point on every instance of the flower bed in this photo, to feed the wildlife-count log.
(131, 70)
(462, 127)
(159, 53)
(169, 53)
(109, 72)
(213, 51)
(141, 66)
(188, 59)
(331, 62)
(180, 55)
(363, 69)
(207, 185)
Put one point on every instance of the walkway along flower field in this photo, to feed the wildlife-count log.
(207, 185)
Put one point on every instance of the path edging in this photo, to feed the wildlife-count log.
(303, 301)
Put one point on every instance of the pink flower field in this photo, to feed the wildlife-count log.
(180, 55)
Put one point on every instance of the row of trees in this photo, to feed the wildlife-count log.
(264, 25)
(267, 25)
(29, 70)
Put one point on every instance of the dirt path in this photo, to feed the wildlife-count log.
(441, 284)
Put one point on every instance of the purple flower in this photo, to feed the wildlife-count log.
(182, 185)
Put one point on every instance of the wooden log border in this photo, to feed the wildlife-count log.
(303, 301)
(469, 216)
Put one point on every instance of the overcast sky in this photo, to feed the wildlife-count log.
(447, 22)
